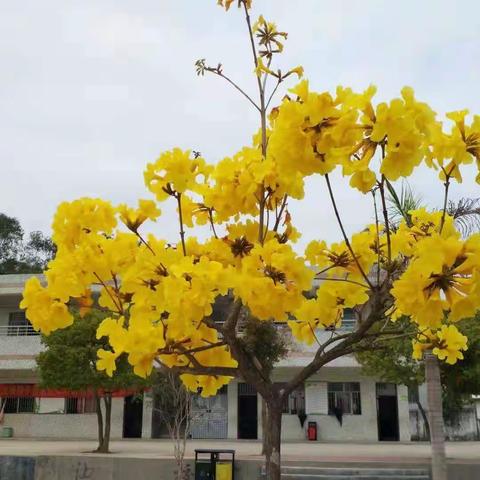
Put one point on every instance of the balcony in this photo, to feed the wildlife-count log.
(17, 331)
(19, 345)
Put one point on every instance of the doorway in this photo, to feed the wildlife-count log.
(387, 412)
(210, 415)
(247, 411)
(133, 416)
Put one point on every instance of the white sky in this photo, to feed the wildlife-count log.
(91, 91)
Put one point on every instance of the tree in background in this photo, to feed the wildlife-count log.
(22, 256)
(173, 406)
(159, 293)
(465, 213)
(460, 381)
(69, 362)
(267, 345)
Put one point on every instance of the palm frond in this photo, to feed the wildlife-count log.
(400, 206)
(466, 213)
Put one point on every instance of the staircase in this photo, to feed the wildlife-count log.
(352, 473)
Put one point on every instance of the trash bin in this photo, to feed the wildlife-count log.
(203, 470)
(214, 464)
(312, 431)
(7, 432)
(223, 471)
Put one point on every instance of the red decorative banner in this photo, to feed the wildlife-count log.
(14, 390)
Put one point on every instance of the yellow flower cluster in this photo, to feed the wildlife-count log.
(227, 3)
(50, 313)
(134, 218)
(272, 271)
(441, 279)
(447, 344)
(460, 147)
(326, 310)
(238, 181)
(345, 130)
(158, 296)
(175, 171)
(441, 283)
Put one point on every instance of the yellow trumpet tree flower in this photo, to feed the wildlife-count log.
(159, 293)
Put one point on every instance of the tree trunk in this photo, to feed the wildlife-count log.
(435, 414)
(108, 421)
(426, 423)
(264, 426)
(104, 446)
(98, 408)
(273, 441)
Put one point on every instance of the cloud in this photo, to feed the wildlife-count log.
(92, 91)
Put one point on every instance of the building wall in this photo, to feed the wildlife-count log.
(232, 395)
(147, 415)
(60, 425)
(403, 413)
(16, 346)
(354, 427)
(14, 365)
(466, 426)
(361, 427)
(291, 428)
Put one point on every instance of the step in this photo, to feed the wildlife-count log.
(353, 473)
(307, 476)
(385, 471)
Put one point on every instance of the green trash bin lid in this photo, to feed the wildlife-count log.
(7, 432)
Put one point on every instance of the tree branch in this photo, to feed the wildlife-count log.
(445, 197)
(220, 74)
(385, 217)
(180, 218)
(378, 236)
(279, 214)
(345, 237)
(333, 279)
(201, 370)
(273, 93)
(322, 357)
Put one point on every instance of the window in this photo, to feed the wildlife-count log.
(413, 394)
(349, 320)
(295, 403)
(344, 398)
(80, 405)
(18, 325)
(20, 405)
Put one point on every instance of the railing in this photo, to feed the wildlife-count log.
(17, 331)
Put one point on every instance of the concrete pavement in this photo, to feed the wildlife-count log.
(392, 452)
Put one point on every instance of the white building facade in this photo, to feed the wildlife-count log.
(344, 404)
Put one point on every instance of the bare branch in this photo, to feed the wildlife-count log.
(385, 217)
(200, 370)
(333, 279)
(345, 237)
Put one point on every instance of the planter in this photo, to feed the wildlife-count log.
(6, 432)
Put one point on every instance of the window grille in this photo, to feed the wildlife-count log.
(80, 405)
(344, 397)
(246, 389)
(295, 403)
(19, 405)
(18, 325)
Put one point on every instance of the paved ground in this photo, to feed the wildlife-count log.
(302, 451)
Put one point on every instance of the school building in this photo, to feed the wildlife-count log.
(345, 404)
